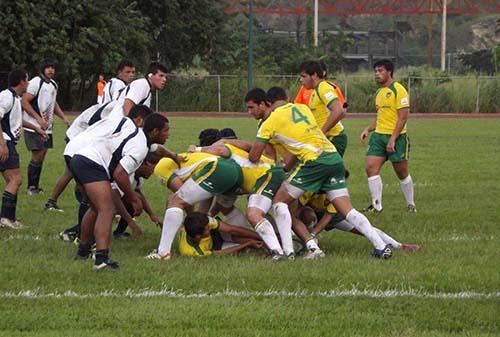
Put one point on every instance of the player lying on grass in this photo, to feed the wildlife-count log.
(312, 207)
(203, 235)
(124, 208)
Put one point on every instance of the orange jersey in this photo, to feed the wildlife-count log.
(100, 87)
(303, 96)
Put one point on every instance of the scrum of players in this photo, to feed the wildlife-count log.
(291, 177)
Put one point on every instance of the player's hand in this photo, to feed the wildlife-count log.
(390, 148)
(136, 229)
(66, 122)
(257, 244)
(43, 124)
(191, 148)
(136, 205)
(179, 159)
(155, 219)
(42, 133)
(363, 136)
(4, 153)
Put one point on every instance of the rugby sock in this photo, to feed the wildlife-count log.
(375, 186)
(266, 232)
(363, 226)
(311, 244)
(407, 189)
(387, 239)
(9, 204)
(83, 249)
(344, 225)
(34, 171)
(171, 224)
(236, 218)
(284, 223)
(101, 256)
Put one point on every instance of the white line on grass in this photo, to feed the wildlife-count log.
(170, 293)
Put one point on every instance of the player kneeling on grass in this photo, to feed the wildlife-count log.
(203, 235)
(317, 206)
(125, 209)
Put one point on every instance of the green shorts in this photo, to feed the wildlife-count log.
(340, 142)
(269, 183)
(222, 176)
(378, 143)
(327, 173)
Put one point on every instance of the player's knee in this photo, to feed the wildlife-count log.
(254, 216)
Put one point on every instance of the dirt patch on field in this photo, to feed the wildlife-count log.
(197, 114)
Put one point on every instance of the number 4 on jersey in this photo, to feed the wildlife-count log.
(298, 117)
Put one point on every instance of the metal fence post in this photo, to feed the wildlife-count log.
(157, 93)
(218, 93)
(345, 90)
(409, 93)
(477, 94)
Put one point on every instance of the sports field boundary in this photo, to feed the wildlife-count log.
(271, 293)
(351, 115)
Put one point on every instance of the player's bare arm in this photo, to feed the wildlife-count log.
(367, 131)
(59, 113)
(26, 104)
(337, 113)
(127, 105)
(256, 151)
(4, 150)
(41, 132)
(123, 182)
(400, 124)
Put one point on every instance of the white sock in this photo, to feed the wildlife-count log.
(266, 232)
(363, 226)
(311, 244)
(284, 223)
(171, 224)
(407, 189)
(344, 225)
(236, 218)
(387, 239)
(375, 186)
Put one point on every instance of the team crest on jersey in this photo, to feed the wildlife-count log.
(388, 95)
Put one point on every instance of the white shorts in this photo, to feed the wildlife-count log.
(191, 193)
(260, 201)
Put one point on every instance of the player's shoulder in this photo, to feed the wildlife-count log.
(397, 88)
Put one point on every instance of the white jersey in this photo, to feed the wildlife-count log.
(113, 89)
(139, 92)
(135, 183)
(43, 102)
(11, 115)
(89, 117)
(110, 142)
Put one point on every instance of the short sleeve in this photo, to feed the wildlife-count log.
(266, 130)
(6, 102)
(33, 86)
(402, 97)
(327, 93)
(139, 90)
(165, 170)
(133, 154)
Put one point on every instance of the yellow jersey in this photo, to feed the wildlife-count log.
(318, 202)
(167, 169)
(294, 127)
(251, 171)
(188, 247)
(388, 101)
(322, 96)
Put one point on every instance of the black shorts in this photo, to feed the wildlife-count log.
(35, 142)
(86, 171)
(13, 161)
(67, 160)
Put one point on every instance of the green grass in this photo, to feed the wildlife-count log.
(453, 165)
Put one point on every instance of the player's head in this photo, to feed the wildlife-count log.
(48, 68)
(101, 77)
(208, 136)
(138, 114)
(18, 78)
(148, 166)
(311, 73)
(228, 133)
(125, 70)
(156, 128)
(256, 103)
(157, 75)
(276, 94)
(196, 226)
(307, 215)
(325, 69)
(384, 70)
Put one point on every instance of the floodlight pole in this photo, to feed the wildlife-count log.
(443, 38)
(315, 34)
(250, 46)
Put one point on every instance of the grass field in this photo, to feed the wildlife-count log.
(450, 288)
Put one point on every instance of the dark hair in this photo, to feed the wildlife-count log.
(228, 133)
(387, 64)
(324, 67)
(276, 94)
(311, 68)
(195, 223)
(209, 136)
(16, 76)
(256, 95)
(45, 64)
(154, 67)
(154, 121)
(139, 110)
(123, 64)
